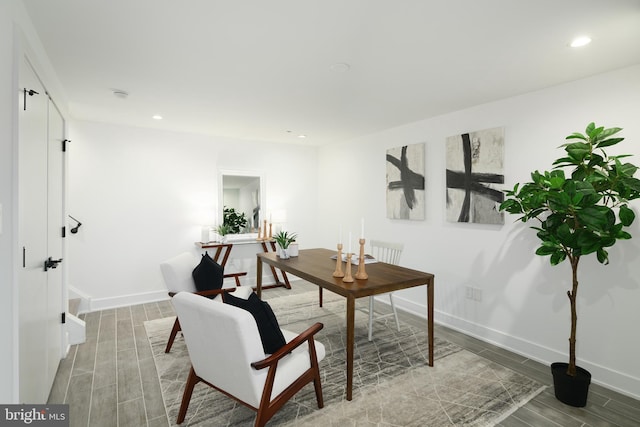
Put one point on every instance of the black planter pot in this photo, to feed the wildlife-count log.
(570, 390)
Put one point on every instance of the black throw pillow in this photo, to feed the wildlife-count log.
(208, 274)
(270, 333)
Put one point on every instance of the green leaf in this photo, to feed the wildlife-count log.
(596, 217)
(609, 142)
(603, 256)
(557, 257)
(567, 160)
(632, 183)
(577, 135)
(556, 182)
(565, 235)
(545, 249)
(623, 235)
(588, 238)
(511, 206)
(590, 127)
(626, 215)
(578, 151)
(595, 132)
(608, 132)
(626, 169)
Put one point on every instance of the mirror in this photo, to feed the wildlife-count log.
(242, 197)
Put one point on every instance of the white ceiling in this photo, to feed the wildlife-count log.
(261, 69)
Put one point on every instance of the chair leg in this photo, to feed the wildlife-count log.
(395, 313)
(318, 387)
(192, 380)
(370, 318)
(174, 332)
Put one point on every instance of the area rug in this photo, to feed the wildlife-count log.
(393, 385)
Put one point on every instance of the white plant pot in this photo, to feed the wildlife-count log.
(293, 249)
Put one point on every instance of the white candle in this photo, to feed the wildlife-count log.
(340, 235)
(270, 222)
(362, 228)
(349, 251)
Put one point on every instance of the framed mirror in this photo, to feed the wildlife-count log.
(241, 200)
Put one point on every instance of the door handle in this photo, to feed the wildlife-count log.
(51, 263)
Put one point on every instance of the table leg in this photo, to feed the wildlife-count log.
(430, 301)
(351, 308)
(259, 277)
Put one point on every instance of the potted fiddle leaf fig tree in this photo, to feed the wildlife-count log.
(580, 214)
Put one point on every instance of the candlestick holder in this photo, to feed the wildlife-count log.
(347, 277)
(361, 273)
(270, 228)
(264, 231)
(259, 238)
(339, 272)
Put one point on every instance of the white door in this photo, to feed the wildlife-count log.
(40, 330)
(55, 222)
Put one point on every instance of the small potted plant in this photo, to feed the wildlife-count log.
(235, 221)
(284, 239)
(581, 214)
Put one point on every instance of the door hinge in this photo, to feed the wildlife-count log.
(64, 232)
(64, 317)
(29, 92)
(64, 145)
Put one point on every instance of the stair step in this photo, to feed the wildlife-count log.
(73, 306)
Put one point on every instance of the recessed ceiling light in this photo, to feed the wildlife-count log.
(157, 117)
(580, 41)
(340, 67)
(302, 136)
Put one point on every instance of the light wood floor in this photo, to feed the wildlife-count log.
(111, 379)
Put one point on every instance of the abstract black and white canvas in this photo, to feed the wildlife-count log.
(405, 182)
(474, 170)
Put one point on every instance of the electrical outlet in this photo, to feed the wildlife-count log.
(468, 292)
(474, 294)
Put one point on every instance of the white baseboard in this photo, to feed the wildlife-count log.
(604, 376)
(97, 304)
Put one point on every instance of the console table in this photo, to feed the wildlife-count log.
(316, 266)
(226, 247)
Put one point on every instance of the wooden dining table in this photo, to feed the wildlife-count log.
(317, 267)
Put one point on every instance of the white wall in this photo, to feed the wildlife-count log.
(524, 304)
(142, 196)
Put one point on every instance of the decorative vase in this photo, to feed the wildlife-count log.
(570, 390)
(283, 252)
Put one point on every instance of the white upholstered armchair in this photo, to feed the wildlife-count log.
(177, 274)
(226, 353)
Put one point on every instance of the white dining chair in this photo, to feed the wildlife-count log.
(390, 253)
